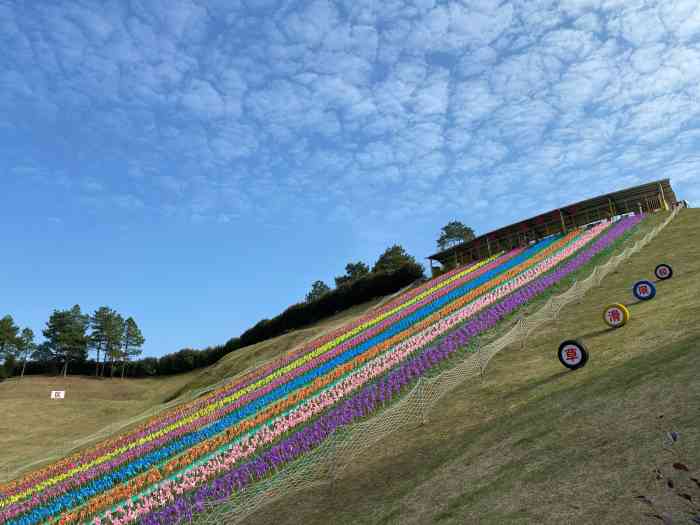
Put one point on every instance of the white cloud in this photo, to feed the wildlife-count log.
(233, 141)
(639, 26)
(472, 101)
(480, 24)
(219, 106)
(310, 26)
(433, 96)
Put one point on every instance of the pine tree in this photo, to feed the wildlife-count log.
(133, 341)
(392, 259)
(99, 322)
(353, 271)
(9, 338)
(26, 347)
(66, 336)
(114, 339)
(454, 232)
(318, 289)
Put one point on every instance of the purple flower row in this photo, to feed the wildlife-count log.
(370, 398)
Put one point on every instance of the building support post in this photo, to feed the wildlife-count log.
(563, 224)
(663, 197)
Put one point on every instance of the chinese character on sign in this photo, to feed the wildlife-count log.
(58, 394)
(643, 290)
(614, 316)
(572, 354)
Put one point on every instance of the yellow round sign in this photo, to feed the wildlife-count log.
(616, 315)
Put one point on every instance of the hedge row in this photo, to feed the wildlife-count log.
(296, 316)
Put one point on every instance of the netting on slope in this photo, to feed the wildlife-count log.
(324, 464)
(111, 429)
(116, 427)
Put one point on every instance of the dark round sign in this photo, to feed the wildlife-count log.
(644, 290)
(572, 354)
(663, 272)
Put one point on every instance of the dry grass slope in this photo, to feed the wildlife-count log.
(530, 443)
(34, 427)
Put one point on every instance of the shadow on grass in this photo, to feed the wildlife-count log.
(635, 303)
(536, 384)
(596, 333)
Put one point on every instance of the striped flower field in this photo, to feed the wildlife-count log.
(166, 469)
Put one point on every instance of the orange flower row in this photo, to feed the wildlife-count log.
(110, 498)
(185, 459)
(69, 461)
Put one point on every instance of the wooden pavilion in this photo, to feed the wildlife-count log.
(649, 197)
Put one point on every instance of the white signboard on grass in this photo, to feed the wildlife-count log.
(58, 394)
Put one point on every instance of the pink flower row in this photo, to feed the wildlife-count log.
(248, 445)
(102, 468)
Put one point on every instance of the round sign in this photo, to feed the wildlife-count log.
(663, 271)
(572, 354)
(616, 315)
(644, 290)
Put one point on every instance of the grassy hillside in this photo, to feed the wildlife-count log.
(535, 443)
(34, 427)
(529, 443)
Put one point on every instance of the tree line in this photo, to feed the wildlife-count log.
(393, 258)
(116, 341)
(69, 337)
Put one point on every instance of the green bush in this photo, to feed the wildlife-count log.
(365, 288)
(8, 367)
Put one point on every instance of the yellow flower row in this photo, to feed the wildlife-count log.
(225, 401)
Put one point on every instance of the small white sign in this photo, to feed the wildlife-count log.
(58, 394)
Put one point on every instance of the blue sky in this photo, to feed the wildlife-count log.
(198, 164)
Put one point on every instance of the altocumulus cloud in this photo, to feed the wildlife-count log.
(356, 109)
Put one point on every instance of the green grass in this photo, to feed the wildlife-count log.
(535, 443)
(529, 443)
(34, 427)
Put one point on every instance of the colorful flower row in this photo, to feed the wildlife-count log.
(65, 475)
(282, 425)
(14, 487)
(183, 506)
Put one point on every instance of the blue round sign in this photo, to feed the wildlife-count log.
(644, 290)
